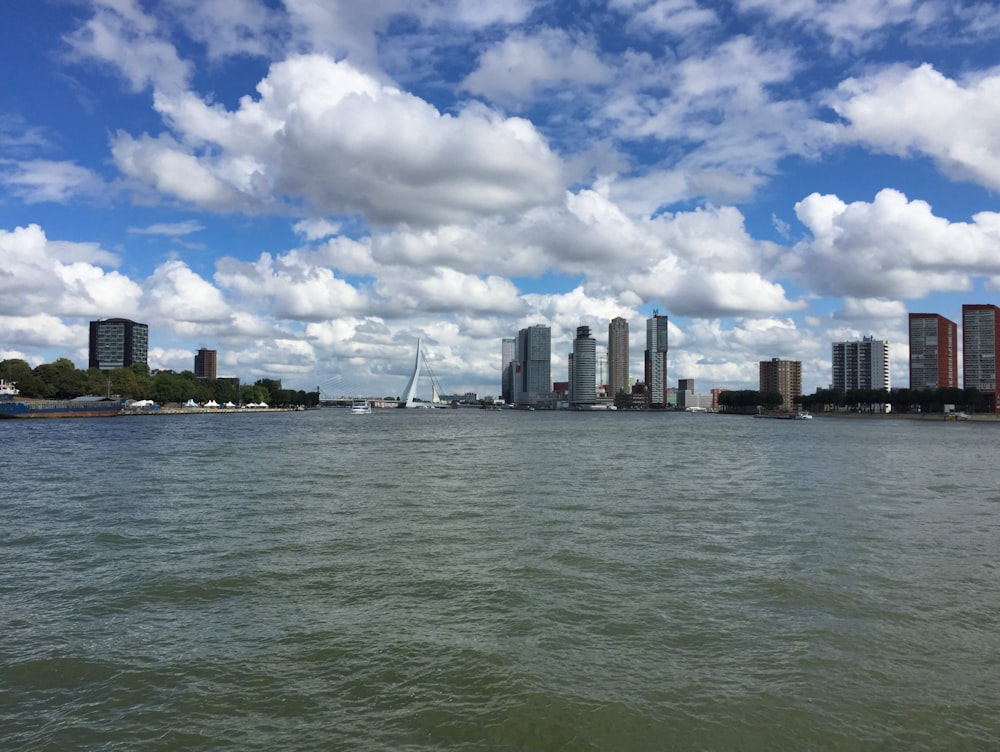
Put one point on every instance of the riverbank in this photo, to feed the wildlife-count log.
(977, 417)
(207, 411)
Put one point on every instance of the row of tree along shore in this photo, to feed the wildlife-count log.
(900, 401)
(63, 380)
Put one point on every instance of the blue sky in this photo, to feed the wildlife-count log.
(308, 186)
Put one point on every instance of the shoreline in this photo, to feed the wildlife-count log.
(126, 413)
(970, 417)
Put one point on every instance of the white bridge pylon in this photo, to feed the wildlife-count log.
(410, 393)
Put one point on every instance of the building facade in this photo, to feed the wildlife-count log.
(205, 363)
(933, 351)
(655, 360)
(861, 365)
(583, 384)
(508, 362)
(117, 343)
(533, 370)
(980, 346)
(784, 377)
(617, 357)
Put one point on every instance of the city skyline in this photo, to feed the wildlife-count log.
(313, 186)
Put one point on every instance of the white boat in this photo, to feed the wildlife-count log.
(361, 407)
(803, 415)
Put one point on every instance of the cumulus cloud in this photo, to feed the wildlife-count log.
(292, 287)
(891, 248)
(324, 133)
(41, 330)
(446, 290)
(314, 229)
(174, 292)
(908, 112)
(60, 278)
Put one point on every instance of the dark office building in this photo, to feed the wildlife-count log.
(116, 343)
(205, 363)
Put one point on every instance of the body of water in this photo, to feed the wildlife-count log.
(478, 580)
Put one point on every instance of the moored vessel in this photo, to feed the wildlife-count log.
(12, 405)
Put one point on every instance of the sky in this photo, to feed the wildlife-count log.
(311, 186)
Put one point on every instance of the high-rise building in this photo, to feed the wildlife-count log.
(583, 384)
(656, 360)
(533, 374)
(861, 365)
(205, 362)
(116, 343)
(784, 377)
(933, 351)
(980, 348)
(508, 356)
(617, 357)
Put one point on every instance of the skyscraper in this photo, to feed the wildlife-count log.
(584, 381)
(980, 347)
(656, 360)
(861, 365)
(205, 362)
(116, 343)
(784, 377)
(933, 351)
(533, 382)
(617, 357)
(508, 356)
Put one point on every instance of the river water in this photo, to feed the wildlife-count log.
(474, 580)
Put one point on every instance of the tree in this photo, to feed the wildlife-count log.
(20, 373)
(61, 379)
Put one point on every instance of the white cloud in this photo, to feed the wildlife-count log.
(291, 287)
(906, 112)
(891, 248)
(234, 27)
(121, 36)
(164, 164)
(876, 310)
(446, 290)
(849, 23)
(517, 69)
(314, 229)
(325, 133)
(41, 330)
(40, 276)
(679, 18)
(169, 229)
(175, 293)
(40, 180)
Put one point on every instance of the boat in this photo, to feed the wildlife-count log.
(803, 415)
(12, 405)
(361, 407)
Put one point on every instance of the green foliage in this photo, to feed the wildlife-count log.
(63, 380)
(19, 372)
(740, 400)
